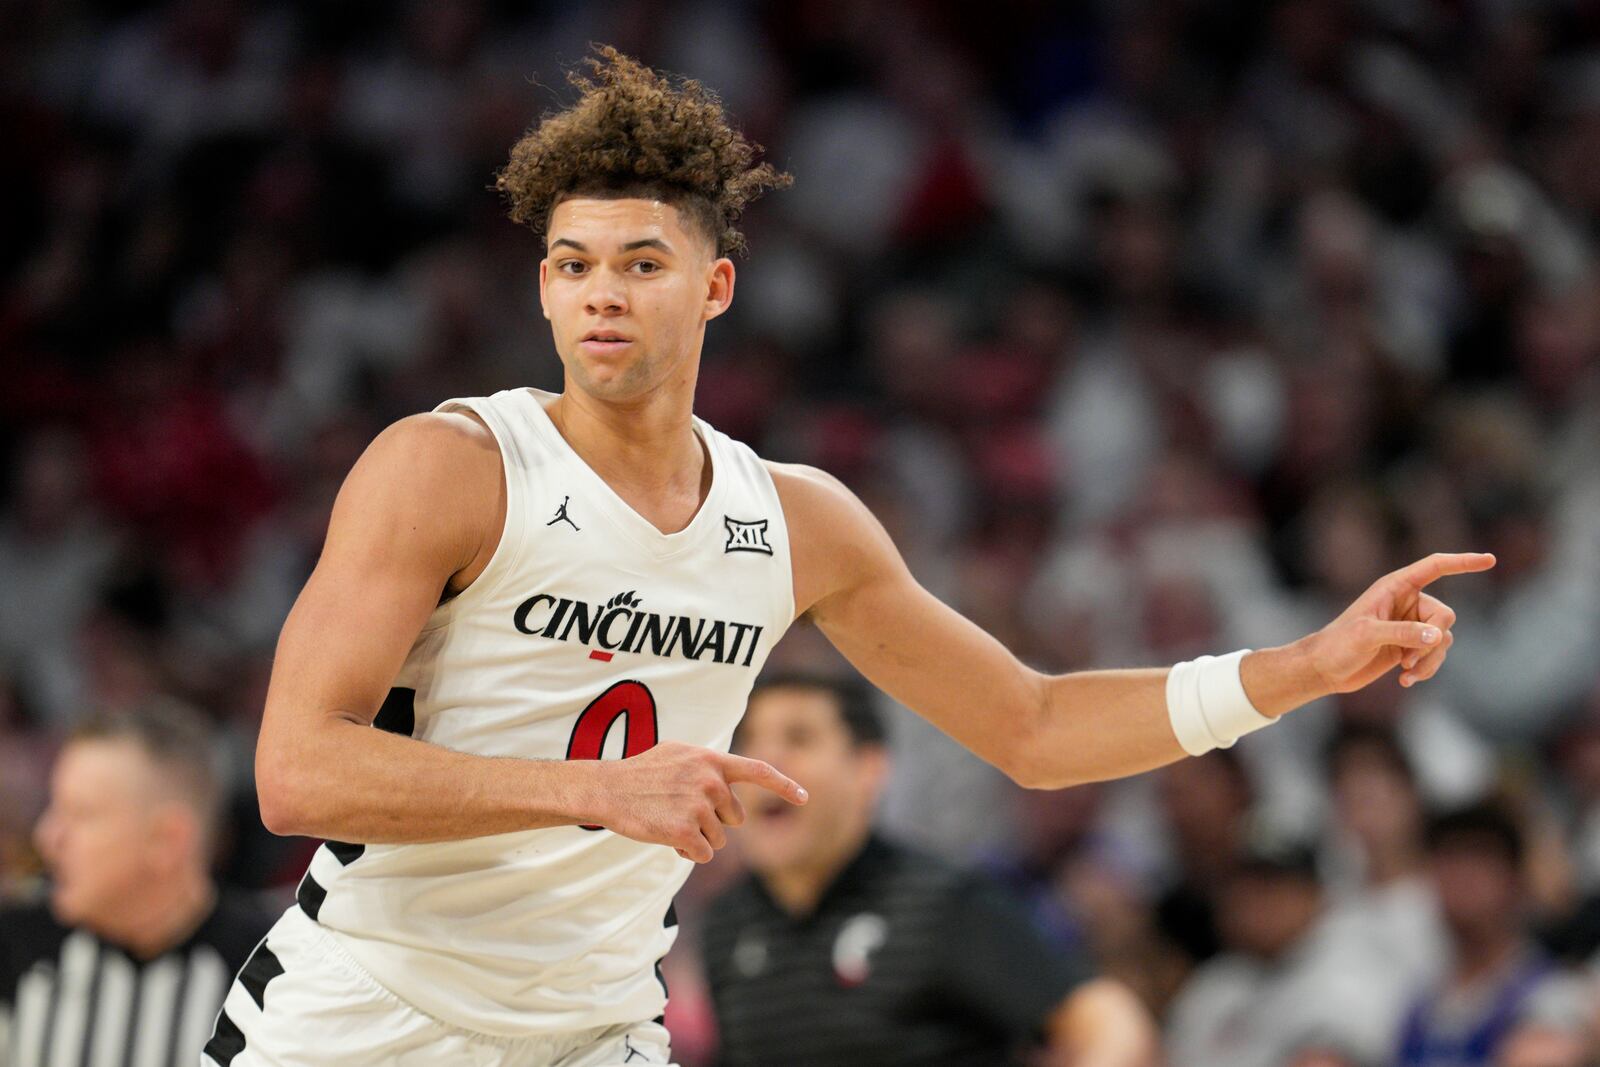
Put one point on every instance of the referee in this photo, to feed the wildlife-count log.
(127, 963)
(844, 949)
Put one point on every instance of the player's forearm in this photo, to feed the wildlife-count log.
(351, 782)
(1094, 726)
(1099, 725)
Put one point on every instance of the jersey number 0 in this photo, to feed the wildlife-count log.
(628, 700)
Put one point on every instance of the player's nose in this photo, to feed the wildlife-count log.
(605, 296)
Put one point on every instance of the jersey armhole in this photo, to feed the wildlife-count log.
(508, 550)
(788, 535)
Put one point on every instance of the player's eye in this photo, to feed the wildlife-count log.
(570, 266)
(647, 266)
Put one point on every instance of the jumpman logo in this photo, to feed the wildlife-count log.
(562, 516)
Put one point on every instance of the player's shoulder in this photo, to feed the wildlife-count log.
(449, 456)
(812, 497)
(434, 480)
(802, 477)
(438, 438)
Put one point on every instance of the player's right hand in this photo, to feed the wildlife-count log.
(681, 796)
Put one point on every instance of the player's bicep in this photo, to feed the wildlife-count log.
(409, 516)
(935, 661)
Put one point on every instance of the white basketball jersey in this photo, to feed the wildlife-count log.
(590, 634)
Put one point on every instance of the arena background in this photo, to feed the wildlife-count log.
(1149, 329)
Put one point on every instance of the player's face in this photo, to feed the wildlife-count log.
(799, 731)
(628, 289)
(96, 836)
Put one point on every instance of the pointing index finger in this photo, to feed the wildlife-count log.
(1441, 564)
(758, 772)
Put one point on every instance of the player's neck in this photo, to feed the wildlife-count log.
(649, 442)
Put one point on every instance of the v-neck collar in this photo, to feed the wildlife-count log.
(629, 523)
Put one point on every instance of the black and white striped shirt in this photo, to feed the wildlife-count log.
(70, 999)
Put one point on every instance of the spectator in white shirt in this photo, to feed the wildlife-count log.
(1288, 991)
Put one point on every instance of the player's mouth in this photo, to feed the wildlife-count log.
(604, 342)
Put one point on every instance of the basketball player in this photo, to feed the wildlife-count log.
(515, 585)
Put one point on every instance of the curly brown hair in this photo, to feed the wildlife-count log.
(634, 133)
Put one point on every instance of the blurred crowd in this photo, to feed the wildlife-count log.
(1148, 329)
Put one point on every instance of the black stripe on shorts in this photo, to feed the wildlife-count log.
(262, 967)
(227, 1042)
(345, 852)
(310, 895)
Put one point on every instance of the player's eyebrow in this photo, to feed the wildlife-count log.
(648, 242)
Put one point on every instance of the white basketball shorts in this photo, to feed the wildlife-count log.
(302, 1001)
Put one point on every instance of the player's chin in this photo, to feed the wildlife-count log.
(610, 380)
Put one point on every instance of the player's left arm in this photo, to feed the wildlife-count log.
(1050, 731)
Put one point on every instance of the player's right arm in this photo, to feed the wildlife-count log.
(419, 516)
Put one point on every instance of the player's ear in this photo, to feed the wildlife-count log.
(719, 287)
(544, 276)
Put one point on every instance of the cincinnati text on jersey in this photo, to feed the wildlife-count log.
(619, 626)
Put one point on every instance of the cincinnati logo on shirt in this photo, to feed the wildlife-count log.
(619, 625)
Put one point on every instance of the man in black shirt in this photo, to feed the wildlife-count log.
(846, 949)
(128, 961)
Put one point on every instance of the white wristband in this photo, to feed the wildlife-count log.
(1207, 705)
